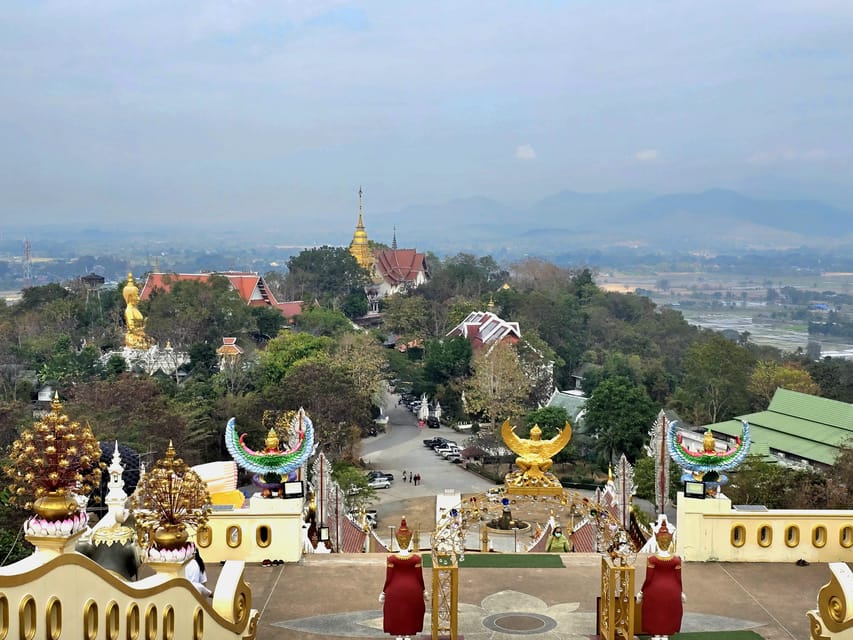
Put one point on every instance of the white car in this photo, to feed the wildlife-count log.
(450, 451)
(379, 483)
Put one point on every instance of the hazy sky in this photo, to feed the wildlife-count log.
(160, 109)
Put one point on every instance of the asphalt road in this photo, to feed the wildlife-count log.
(401, 448)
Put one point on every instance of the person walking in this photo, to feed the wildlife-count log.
(404, 476)
(557, 542)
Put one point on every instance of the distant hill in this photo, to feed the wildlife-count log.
(712, 219)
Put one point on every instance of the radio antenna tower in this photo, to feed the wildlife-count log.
(28, 265)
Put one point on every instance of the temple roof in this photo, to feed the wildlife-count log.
(484, 327)
(251, 287)
(397, 266)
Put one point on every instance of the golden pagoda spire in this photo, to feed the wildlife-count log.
(360, 246)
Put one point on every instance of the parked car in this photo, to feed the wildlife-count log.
(453, 457)
(450, 451)
(379, 483)
(450, 447)
(434, 442)
(373, 475)
(433, 423)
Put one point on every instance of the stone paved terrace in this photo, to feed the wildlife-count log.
(331, 597)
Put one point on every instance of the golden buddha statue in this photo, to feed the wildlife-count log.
(135, 337)
(271, 442)
(534, 459)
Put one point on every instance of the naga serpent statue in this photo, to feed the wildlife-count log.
(272, 459)
(708, 463)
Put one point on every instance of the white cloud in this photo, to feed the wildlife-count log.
(525, 152)
(647, 155)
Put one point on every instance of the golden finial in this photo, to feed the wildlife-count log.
(610, 473)
(491, 302)
(56, 405)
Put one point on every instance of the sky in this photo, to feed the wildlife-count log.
(141, 112)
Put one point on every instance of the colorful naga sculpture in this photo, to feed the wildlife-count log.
(708, 464)
(272, 460)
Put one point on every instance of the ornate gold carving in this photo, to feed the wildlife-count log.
(252, 629)
(95, 572)
(171, 497)
(132, 622)
(112, 621)
(53, 618)
(151, 622)
(263, 536)
(90, 620)
(27, 618)
(833, 607)
(534, 459)
(198, 624)
(169, 623)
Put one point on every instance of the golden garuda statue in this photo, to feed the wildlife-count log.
(534, 460)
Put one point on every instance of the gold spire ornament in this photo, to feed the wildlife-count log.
(360, 245)
(53, 461)
(534, 460)
(170, 499)
(135, 337)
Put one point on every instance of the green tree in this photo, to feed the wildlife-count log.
(619, 414)
(339, 411)
(327, 274)
(319, 321)
(498, 386)
(353, 482)
(715, 386)
(288, 349)
(769, 375)
(363, 359)
(446, 360)
(406, 315)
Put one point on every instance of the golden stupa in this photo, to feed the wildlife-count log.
(360, 246)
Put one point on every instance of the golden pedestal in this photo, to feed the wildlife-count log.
(54, 545)
(171, 569)
(616, 605)
(445, 597)
(534, 491)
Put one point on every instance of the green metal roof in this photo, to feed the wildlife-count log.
(797, 423)
(573, 404)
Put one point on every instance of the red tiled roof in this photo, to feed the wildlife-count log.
(229, 348)
(484, 327)
(399, 265)
(251, 287)
(352, 537)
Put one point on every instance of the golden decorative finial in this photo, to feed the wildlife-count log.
(610, 473)
(491, 302)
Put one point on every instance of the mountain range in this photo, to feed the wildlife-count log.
(715, 219)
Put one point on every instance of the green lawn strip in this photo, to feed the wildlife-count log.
(505, 561)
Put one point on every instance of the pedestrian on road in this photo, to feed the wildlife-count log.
(404, 475)
(411, 477)
(417, 479)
